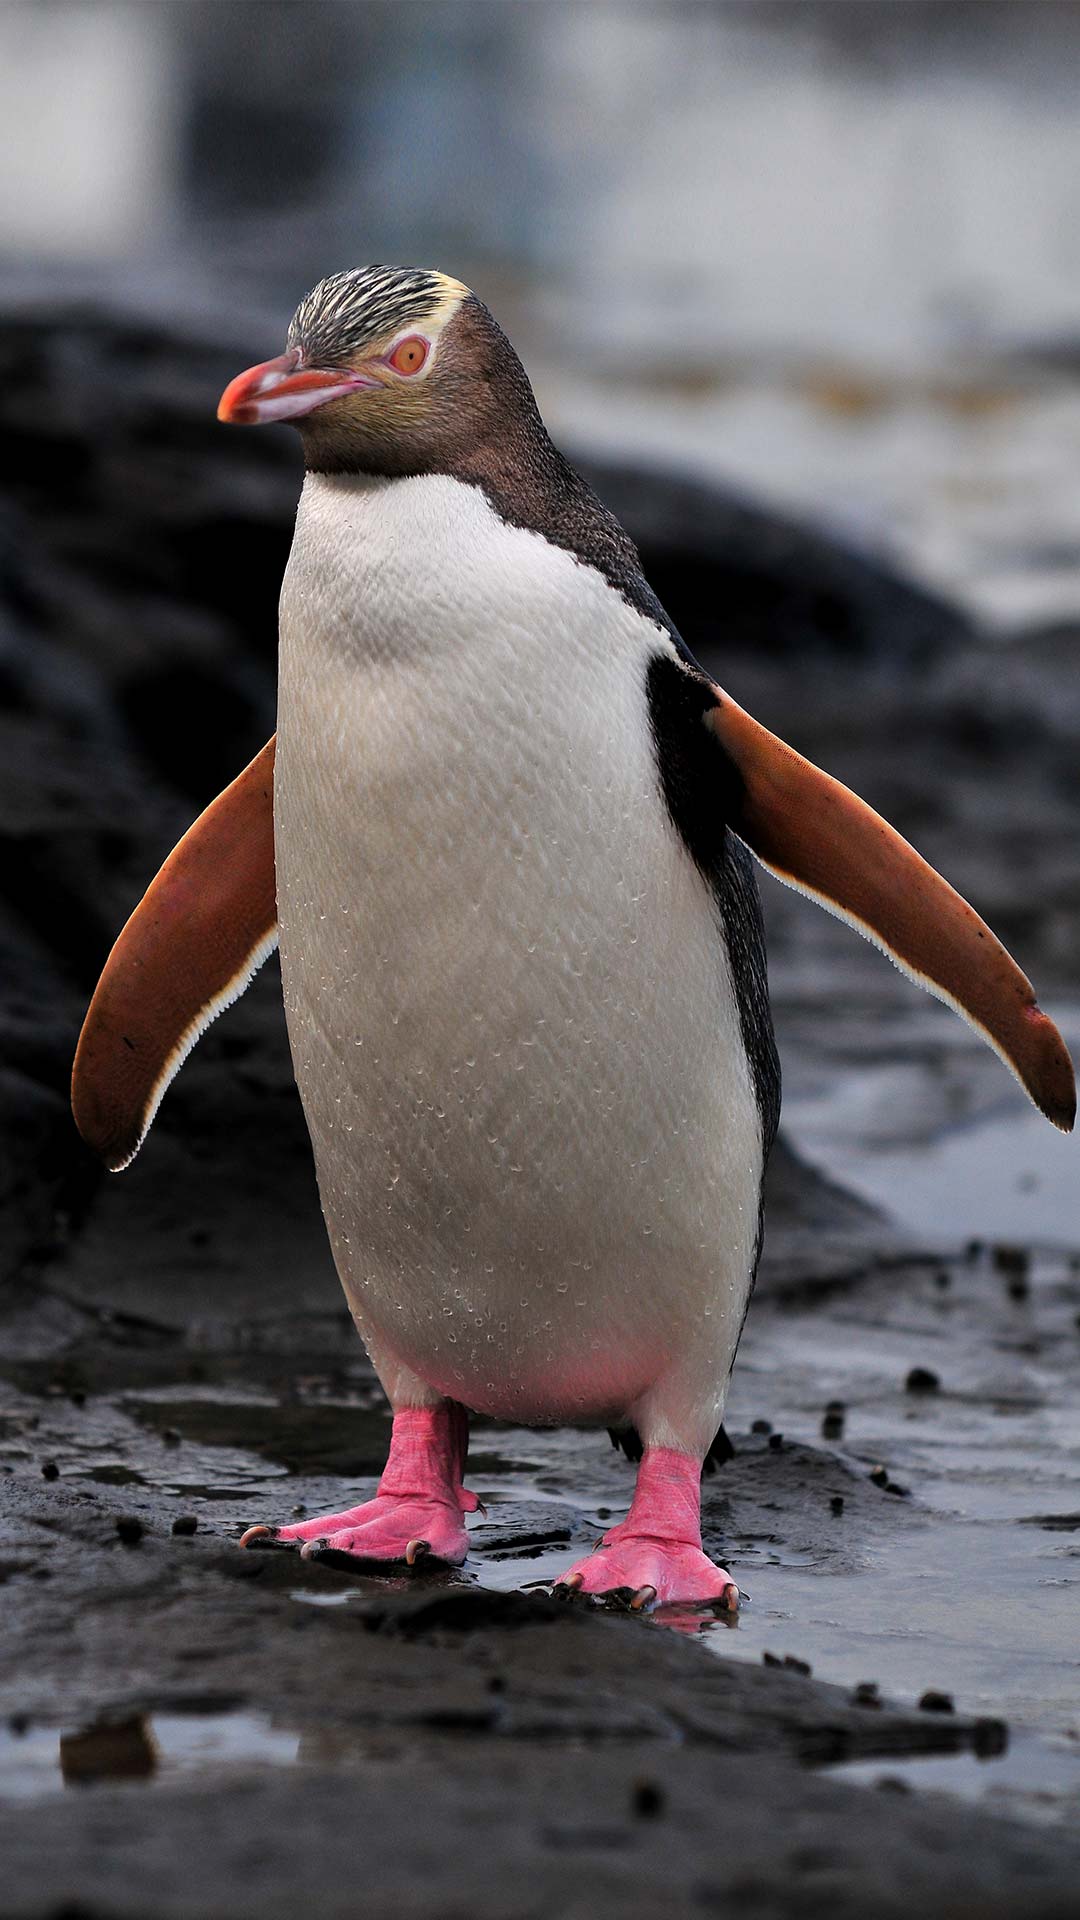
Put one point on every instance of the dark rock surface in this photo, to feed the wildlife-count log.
(175, 1345)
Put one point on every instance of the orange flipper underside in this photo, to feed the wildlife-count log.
(820, 837)
(189, 949)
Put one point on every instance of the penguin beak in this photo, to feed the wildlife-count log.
(282, 389)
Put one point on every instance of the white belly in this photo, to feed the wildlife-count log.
(508, 997)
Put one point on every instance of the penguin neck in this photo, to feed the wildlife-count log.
(494, 439)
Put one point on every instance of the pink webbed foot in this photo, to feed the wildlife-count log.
(654, 1557)
(384, 1529)
(417, 1516)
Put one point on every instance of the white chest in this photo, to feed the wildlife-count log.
(508, 997)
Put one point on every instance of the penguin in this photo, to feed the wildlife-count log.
(505, 837)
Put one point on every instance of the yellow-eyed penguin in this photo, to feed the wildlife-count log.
(520, 938)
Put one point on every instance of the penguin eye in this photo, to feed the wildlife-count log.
(409, 355)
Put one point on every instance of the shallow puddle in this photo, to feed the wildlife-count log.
(1003, 1174)
(1037, 1779)
(45, 1760)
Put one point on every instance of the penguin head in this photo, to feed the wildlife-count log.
(387, 370)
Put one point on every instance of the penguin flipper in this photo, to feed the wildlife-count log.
(204, 926)
(819, 837)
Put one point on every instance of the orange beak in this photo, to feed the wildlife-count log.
(282, 389)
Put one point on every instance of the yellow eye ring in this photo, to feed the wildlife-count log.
(409, 355)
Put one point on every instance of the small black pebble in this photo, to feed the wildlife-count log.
(185, 1525)
(941, 1279)
(77, 1397)
(989, 1738)
(1009, 1258)
(835, 1409)
(603, 1513)
(922, 1380)
(50, 1470)
(19, 1723)
(836, 1504)
(647, 1799)
(932, 1702)
(832, 1427)
(761, 1426)
(973, 1249)
(879, 1476)
(771, 1659)
(797, 1666)
(171, 1436)
(866, 1694)
(776, 1441)
(129, 1529)
(890, 1783)
(298, 1510)
(497, 1683)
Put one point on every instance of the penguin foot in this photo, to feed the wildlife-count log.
(384, 1530)
(637, 1572)
(654, 1557)
(418, 1515)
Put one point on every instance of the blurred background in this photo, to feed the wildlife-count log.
(825, 247)
(799, 288)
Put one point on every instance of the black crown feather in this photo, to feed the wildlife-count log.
(343, 314)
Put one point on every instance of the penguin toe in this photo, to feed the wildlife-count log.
(261, 1537)
(634, 1573)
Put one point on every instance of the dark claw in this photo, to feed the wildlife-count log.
(618, 1599)
(318, 1552)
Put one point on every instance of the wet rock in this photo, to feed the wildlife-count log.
(129, 1529)
(185, 1525)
